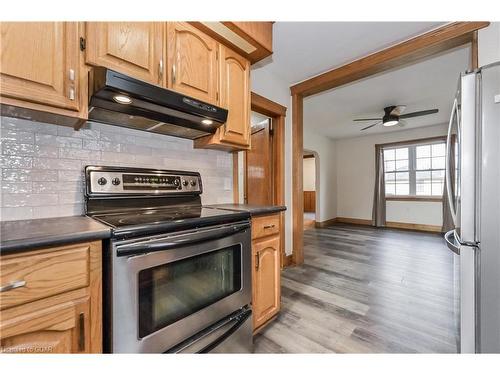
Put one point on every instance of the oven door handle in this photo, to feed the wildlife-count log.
(175, 241)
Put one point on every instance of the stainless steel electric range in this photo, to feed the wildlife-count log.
(177, 275)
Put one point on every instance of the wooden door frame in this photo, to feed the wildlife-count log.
(277, 113)
(405, 53)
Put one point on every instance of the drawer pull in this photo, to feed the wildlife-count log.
(12, 285)
(269, 226)
(257, 261)
(81, 334)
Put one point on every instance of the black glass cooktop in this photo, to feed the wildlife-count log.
(171, 215)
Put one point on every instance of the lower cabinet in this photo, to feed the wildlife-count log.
(39, 315)
(265, 277)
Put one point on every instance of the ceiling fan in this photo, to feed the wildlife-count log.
(393, 115)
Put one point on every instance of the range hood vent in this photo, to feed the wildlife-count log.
(121, 100)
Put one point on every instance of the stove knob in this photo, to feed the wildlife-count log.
(115, 181)
(176, 182)
(185, 182)
(193, 182)
(102, 181)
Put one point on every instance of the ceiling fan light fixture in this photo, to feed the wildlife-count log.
(391, 123)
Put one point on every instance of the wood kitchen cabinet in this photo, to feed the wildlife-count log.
(131, 48)
(266, 286)
(192, 62)
(51, 300)
(41, 67)
(234, 84)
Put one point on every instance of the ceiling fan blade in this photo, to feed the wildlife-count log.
(367, 119)
(371, 126)
(398, 110)
(420, 113)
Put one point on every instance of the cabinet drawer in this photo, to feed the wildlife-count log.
(263, 226)
(39, 274)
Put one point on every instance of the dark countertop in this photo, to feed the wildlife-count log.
(22, 235)
(254, 210)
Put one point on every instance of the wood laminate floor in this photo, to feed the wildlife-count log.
(366, 290)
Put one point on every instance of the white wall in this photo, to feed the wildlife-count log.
(489, 44)
(356, 178)
(309, 174)
(326, 200)
(271, 87)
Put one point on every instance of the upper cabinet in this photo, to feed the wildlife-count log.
(40, 67)
(234, 85)
(192, 62)
(253, 40)
(132, 48)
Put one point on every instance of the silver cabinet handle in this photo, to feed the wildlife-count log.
(173, 73)
(71, 95)
(72, 75)
(269, 226)
(160, 69)
(12, 285)
(257, 260)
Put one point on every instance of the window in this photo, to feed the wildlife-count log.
(415, 170)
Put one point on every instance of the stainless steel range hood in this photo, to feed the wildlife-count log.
(121, 100)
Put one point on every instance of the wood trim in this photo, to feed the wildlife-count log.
(326, 223)
(414, 199)
(435, 41)
(415, 227)
(287, 261)
(311, 156)
(297, 182)
(474, 52)
(266, 107)
(352, 220)
(413, 141)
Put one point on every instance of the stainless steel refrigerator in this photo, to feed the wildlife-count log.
(473, 190)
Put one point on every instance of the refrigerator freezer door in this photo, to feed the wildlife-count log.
(489, 228)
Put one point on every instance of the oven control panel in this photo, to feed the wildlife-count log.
(111, 180)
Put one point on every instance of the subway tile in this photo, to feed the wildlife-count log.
(22, 149)
(16, 187)
(22, 175)
(43, 175)
(70, 176)
(16, 213)
(117, 157)
(80, 154)
(52, 163)
(10, 161)
(82, 133)
(57, 186)
(99, 145)
(59, 141)
(71, 198)
(136, 149)
(9, 123)
(19, 200)
(18, 136)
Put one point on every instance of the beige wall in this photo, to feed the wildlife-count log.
(356, 179)
(309, 174)
(489, 44)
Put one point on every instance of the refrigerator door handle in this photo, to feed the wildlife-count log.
(448, 166)
(451, 241)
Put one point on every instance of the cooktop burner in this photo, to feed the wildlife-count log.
(159, 216)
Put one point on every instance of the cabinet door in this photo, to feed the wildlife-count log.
(61, 328)
(132, 48)
(40, 63)
(266, 280)
(192, 62)
(235, 96)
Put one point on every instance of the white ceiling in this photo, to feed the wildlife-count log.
(425, 85)
(305, 49)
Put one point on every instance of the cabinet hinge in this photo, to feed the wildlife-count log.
(83, 43)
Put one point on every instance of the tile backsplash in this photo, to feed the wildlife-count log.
(42, 164)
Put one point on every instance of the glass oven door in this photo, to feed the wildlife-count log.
(168, 288)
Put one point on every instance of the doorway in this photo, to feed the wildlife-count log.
(310, 191)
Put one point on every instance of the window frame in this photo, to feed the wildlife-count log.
(411, 145)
